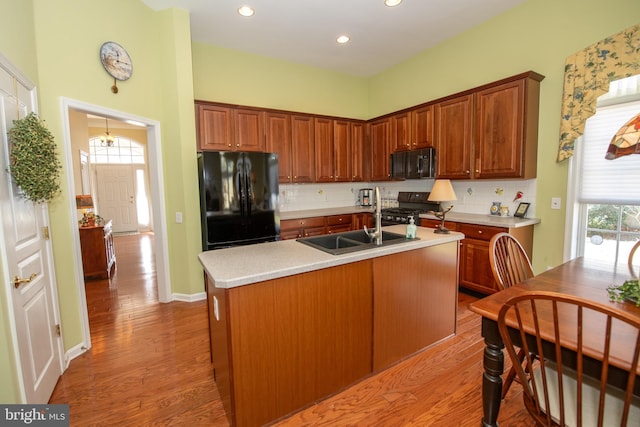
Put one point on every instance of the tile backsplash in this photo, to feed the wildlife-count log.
(473, 196)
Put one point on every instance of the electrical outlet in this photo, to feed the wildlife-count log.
(555, 203)
(178, 217)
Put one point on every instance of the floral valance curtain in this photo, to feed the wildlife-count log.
(587, 75)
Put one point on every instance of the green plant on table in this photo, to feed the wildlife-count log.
(34, 165)
(628, 291)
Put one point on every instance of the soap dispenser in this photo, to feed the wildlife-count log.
(411, 229)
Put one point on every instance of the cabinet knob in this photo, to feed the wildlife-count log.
(477, 170)
(467, 171)
(479, 231)
(229, 145)
(237, 145)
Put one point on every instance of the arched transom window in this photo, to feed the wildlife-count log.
(123, 151)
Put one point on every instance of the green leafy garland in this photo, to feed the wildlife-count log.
(628, 291)
(34, 165)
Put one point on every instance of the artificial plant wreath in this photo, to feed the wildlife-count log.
(34, 165)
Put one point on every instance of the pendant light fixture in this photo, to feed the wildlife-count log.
(106, 139)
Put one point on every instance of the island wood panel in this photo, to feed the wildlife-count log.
(219, 337)
(289, 340)
(413, 307)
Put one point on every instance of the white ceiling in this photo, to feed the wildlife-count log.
(304, 31)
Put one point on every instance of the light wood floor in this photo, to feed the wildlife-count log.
(149, 365)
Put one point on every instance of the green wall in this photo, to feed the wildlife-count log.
(234, 77)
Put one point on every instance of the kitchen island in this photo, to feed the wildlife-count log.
(291, 324)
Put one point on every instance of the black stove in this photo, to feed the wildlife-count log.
(410, 203)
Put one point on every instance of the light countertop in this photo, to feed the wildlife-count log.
(490, 220)
(478, 219)
(245, 265)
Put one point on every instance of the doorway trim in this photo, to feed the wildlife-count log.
(156, 178)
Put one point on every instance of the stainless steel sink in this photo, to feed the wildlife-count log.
(350, 241)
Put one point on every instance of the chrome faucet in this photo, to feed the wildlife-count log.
(376, 235)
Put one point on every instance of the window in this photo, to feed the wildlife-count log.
(123, 151)
(607, 191)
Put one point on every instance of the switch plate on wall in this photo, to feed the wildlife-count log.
(555, 203)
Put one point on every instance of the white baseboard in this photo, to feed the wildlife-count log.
(190, 297)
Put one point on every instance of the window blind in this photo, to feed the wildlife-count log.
(608, 181)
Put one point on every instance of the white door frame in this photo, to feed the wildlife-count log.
(156, 178)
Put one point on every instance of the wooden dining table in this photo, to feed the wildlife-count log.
(578, 277)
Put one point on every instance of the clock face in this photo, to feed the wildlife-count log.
(116, 61)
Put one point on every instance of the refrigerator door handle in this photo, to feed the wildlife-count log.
(248, 193)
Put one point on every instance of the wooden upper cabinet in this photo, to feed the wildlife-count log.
(225, 128)
(214, 127)
(249, 130)
(303, 151)
(378, 158)
(506, 130)
(454, 125)
(357, 132)
(491, 132)
(401, 132)
(324, 153)
(422, 123)
(278, 140)
(342, 152)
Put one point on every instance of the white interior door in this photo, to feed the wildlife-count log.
(116, 196)
(27, 254)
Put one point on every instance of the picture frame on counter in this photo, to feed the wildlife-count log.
(522, 210)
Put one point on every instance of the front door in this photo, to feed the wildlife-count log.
(25, 229)
(116, 196)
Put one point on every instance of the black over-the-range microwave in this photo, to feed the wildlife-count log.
(416, 164)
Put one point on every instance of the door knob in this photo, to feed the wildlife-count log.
(17, 281)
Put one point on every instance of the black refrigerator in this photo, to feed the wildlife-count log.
(238, 198)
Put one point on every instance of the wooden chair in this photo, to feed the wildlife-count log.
(632, 270)
(510, 265)
(592, 337)
(509, 262)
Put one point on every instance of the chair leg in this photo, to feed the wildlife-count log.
(511, 375)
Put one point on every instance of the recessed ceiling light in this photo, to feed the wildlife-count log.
(392, 3)
(343, 39)
(246, 11)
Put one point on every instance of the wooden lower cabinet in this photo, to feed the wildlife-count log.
(285, 343)
(302, 227)
(316, 226)
(338, 223)
(475, 271)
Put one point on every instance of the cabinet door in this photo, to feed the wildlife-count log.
(342, 157)
(249, 130)
(278, 140)
(379, 131)
(499, 131)
(401, 132)
(360, 220)
(475, 270)
(215, 128)
(422, 135)
(357, 151)
(454, 127)
(324, 158)
(302, 149)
